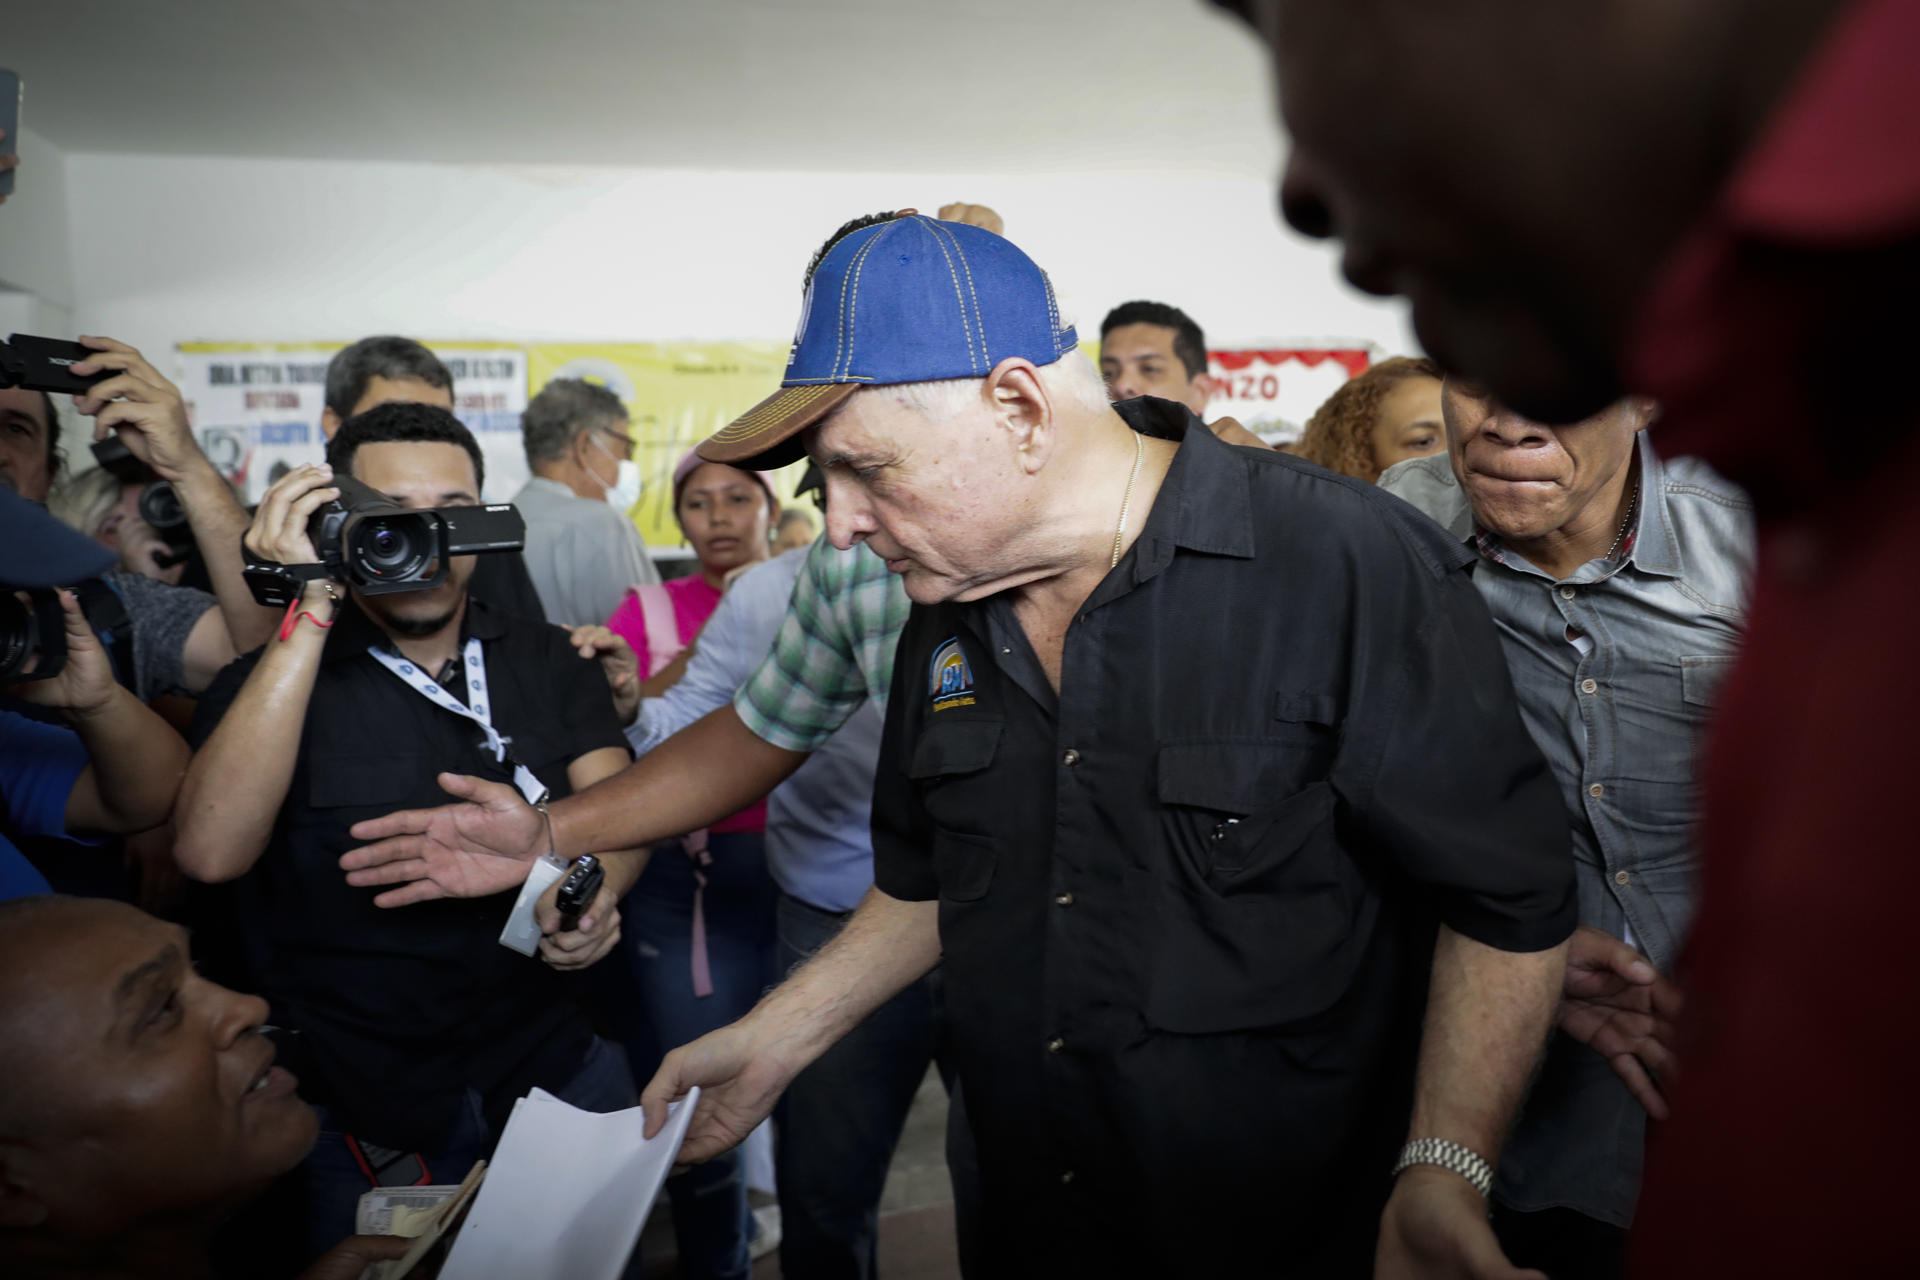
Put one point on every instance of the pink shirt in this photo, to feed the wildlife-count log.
(694, 601)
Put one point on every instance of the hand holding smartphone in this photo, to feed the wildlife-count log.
(578, 890)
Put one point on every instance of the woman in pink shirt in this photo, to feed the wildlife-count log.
(699, 922)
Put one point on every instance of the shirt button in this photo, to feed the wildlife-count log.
(1566, 593)
(1066, 1178)
(1596, 791)
(1621, 877)
(1063, 899)
(1056, 1044)
(1071, 758)
(1589, 686)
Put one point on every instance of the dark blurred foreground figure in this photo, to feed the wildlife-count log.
(1717, 204)
(141, 1104)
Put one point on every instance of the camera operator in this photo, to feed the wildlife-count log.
(114, 766)
(106, 508)
(387, 369)
(146, 411)
(420, 1029)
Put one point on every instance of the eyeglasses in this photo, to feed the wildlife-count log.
(625, 452)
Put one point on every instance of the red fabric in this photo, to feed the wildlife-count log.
(1353, 359)
(1788, 1150)
(694, 600)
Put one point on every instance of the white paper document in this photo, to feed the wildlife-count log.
(566, 1193)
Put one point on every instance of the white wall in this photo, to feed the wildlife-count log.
(36, 254)
(170, 250)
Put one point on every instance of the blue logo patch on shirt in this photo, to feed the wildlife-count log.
(950, 677)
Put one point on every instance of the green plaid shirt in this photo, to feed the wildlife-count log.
(834, 651)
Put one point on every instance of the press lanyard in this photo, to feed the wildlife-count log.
(475, 709)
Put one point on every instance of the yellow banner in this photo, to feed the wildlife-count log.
(677, 394)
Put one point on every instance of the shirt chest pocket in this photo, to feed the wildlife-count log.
(1260, 917)
(950, 767)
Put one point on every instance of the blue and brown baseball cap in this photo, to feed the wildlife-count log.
(909, 300)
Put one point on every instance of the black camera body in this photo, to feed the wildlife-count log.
(43, 364)
(159, 505)
(378, 546)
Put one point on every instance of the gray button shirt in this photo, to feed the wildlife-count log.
(583, 554)
(1615, 666)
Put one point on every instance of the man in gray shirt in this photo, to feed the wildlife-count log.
(1619, 586)
(582, 550)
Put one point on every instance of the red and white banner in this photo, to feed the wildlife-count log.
(1273, 392)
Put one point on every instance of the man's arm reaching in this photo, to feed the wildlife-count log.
(1488, 1015)
(481, 845)
(743, 1068)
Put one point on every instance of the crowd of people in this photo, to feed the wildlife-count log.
(1400, 852)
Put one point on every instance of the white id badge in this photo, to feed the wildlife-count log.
(523, 931)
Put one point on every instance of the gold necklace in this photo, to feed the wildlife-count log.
(1126, 503)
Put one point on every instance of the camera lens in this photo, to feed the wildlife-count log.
(160, 507)
(16, 634)
(391, 549)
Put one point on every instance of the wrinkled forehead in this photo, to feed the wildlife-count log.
(73, 975)
(20, 405)
(870, 426)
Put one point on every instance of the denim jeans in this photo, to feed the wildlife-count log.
(838, 1124)
(334, 1183)
(711, 1221)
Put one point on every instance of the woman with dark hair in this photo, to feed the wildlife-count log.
(699, 923)
(1388, 414)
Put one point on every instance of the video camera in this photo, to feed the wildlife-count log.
(379, 546)
(159, 506)
(43, 364)
(33, 630)
(31, 625)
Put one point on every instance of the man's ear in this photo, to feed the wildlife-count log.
(20, 1208)
(1020, 406)
(1200, 387)
(329, 423)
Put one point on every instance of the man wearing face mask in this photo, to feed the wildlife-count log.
(582, 550)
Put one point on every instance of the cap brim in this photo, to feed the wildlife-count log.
(768, 435)
(42, 552)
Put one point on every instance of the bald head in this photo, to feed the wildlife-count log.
(137, 1091)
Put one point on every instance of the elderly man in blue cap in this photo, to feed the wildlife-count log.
(1198, 889)
(1202, 777)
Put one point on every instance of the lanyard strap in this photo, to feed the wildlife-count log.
(475, 709)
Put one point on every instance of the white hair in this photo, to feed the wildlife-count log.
(1070, 382)
(84, 501)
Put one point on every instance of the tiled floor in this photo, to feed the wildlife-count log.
(916, 1211)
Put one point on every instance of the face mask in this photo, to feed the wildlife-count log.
(626, 486)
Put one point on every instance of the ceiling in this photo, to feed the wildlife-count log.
(982, 86)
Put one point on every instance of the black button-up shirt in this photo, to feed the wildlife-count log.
(403, 1010)
(1187, 903)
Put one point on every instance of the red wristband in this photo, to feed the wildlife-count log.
(292, 620)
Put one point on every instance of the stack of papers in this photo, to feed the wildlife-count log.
(566, 1193)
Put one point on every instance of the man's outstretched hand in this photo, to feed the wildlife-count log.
(740, 1078)
(1618, 1005)
(478, 847)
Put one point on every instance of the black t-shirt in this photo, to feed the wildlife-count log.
(501, 579)
(1187, 904)
(402, 1010)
